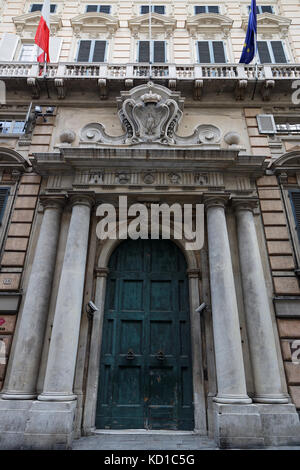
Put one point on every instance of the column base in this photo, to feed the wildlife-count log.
(271, 398)
(237, 426)
(34, 425)
(280, 424)
(56, 397)
(232, 399)
(10, 395)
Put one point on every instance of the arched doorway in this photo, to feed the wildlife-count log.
(145, 378)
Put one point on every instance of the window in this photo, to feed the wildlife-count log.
(211, 52)
(4, 193)
(271, 52)
(155, 9)
(28, 53)
(263, 9)
(269, 124)
(91, 51)
(206, 9)
(11, 126)
(294, 196)
(98, 9)
(39, 6)
(158, 51)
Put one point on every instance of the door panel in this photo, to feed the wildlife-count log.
(145, 370)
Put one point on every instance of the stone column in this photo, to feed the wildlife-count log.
(58, 384)
(258, 316)
(227, 339)
(24, 365)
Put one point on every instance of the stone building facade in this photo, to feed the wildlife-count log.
(194, 128)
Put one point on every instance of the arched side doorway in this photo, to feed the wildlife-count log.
(145, 378)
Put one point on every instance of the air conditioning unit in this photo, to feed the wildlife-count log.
(266, 124)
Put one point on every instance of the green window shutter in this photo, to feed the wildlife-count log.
(213, 9)
(91, 8)
(219, 52)
(159, 9)
(278, 52)
(295, 203)
(203, 52)
(159, 51)
(4, 192)
(105, 9)
(144, 51)
(99, 51)
(199, 9)
(266, 9)
(84, 51)
(263, 52)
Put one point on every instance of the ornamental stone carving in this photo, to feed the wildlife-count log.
(150, 114)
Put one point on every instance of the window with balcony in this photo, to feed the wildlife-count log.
(211, 52)
(271, 52)
(160, 9)
(158, 51)
(98, 9)
(11, 126)
(263, 9)
(28, 53)
(206, 9)
(39, 6)
(92, 51)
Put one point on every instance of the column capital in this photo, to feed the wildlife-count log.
(244, 203)
(215, 200)
(81, 199)
(52, 202)
(194, 273)
(101, 272)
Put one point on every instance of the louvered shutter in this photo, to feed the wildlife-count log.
(266, 9)
(295, 201)
(4, 192)
(8, 46)
(219, 52)
(266, 123)
(105, 9)
(144, 51)
(159, 9)
(84, 51)
(204, 54)
(99, 51)
(263, 52)
(199, 9)
(55, 44)
(91, 8)
(36, 7)
(159, 52)
(213, 9)
(278, 52)
(144, 9)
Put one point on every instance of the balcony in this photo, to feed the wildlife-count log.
(200, 76)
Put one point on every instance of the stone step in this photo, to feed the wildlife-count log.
(144, 440)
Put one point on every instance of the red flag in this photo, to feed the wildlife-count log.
(42, 36)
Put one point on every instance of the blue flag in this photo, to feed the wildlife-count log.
(249, 49)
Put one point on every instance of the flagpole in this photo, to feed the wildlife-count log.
(150, 39)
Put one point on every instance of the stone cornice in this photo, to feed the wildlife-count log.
(160, 24)
(94, 22)
(73, 159)
(267, 23)
(209, 23)
(30, 22)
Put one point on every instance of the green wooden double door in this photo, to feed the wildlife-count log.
(146, 368)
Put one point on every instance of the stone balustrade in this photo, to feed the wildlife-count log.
(165, 71)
